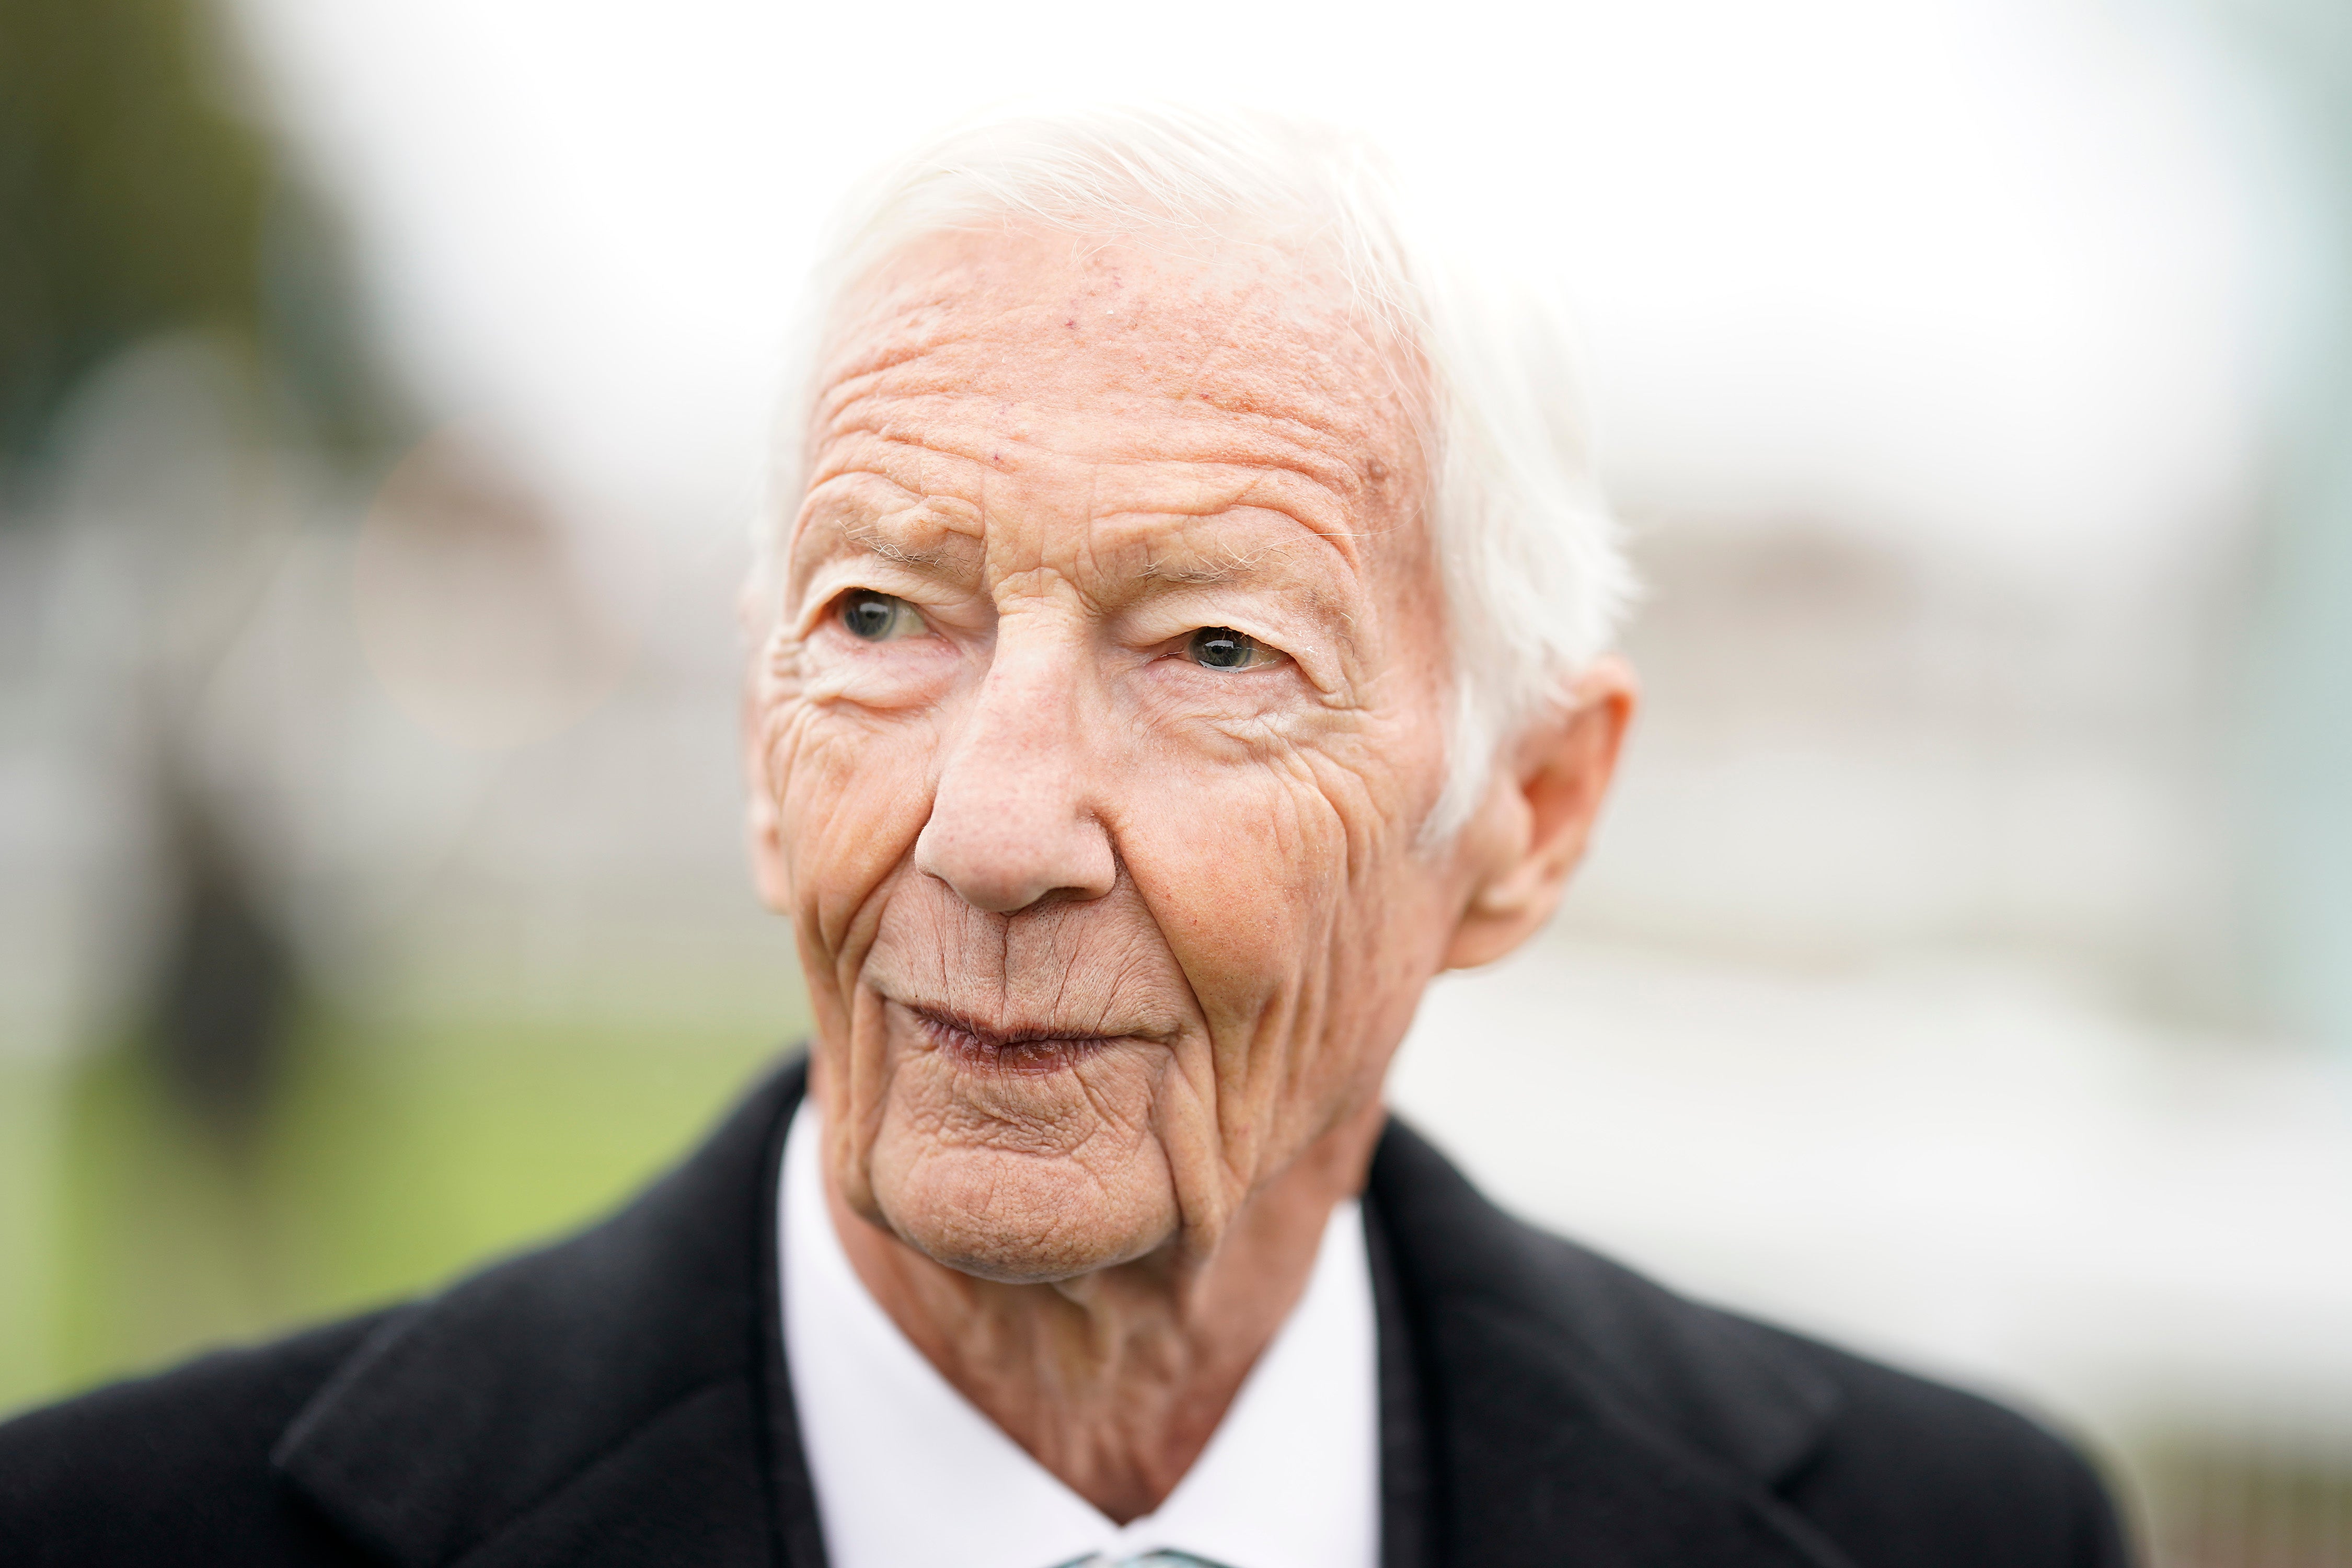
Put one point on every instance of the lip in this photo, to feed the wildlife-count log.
(1012, 1047)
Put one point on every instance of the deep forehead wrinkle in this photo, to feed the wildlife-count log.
(1254, 353)
(1251, 415)
(1254, 329)
(1165, 428)
(955, 488)
(952, 442)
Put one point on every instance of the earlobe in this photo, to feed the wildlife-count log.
(1539, 814)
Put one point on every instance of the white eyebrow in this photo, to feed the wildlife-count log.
(1207, 575)
(871, 534)
(869, 539)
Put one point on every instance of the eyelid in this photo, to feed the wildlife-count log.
(821, 592)
(1166, 622)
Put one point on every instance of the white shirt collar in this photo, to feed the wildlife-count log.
(909, 1474)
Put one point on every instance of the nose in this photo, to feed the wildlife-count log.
(1012, 819)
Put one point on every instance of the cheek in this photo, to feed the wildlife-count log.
(852, 794)
(1238, 875)
(1306, 918)
(1269, 877)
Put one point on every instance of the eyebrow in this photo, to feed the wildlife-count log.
(901, 526)
(868, 534)
(1200, 574)
(1231, 565)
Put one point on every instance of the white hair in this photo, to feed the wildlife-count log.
(1532, 576)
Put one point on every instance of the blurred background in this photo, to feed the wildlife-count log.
(1965, 969)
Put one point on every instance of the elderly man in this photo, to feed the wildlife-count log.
(1182, 640)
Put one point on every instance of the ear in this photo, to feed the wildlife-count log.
(1539, 814)
(762, 829)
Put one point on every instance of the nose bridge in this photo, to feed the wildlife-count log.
(1023, 733)
(1012, 816)
(1028, 699)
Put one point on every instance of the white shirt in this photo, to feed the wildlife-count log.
(909, 1474)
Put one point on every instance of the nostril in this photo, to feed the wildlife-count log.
(1007, 865)
(983, 868)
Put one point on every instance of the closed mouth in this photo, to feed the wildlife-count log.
(1020, 1048)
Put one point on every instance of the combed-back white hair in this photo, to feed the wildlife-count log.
(1533, 579)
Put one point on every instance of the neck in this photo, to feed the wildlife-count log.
(1114, 1379)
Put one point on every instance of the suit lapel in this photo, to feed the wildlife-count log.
(1576, 1413)
(619, 1397)
(623, 1397)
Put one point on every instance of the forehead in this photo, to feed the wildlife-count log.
(1169, 379)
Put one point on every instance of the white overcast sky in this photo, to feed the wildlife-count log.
(1986, 271)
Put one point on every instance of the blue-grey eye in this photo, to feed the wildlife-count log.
(878, 617)
(1221, 648)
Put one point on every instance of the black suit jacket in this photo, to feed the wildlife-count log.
(622, 1397)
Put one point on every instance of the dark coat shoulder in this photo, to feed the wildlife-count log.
(123, 1473)
(609, 1399)
(1905, 1459)
(1572, 1397)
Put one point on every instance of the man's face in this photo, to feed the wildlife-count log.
(1089, 754)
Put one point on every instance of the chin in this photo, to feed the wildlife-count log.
(1021, 1219)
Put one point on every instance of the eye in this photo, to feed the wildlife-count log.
(878, 618)
(1221, 648)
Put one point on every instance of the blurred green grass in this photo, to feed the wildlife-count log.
(393, 1158)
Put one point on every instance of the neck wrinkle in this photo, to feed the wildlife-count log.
(1116, 1386)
